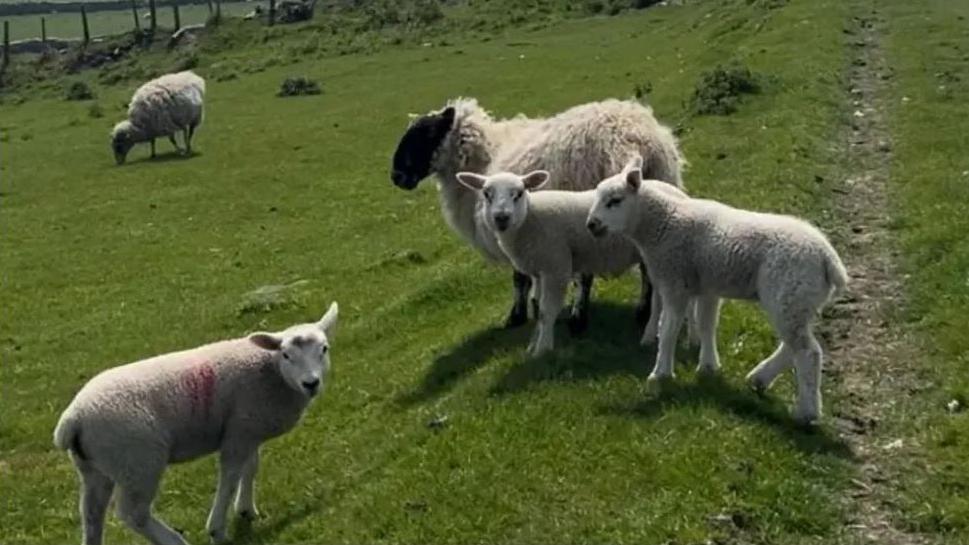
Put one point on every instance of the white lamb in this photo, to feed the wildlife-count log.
(707, 250)
(544, 235)
(578, 147)
(128, 423)
(161, 107)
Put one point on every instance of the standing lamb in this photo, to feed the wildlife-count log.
(578, 147)
(544, 235)
(128, 423)
(161, 107)
(707, 250)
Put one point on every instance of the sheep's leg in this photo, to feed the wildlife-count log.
(693, 331)
(762, 376)
(189, 133)
(552, 297)
(674, 309)
(579, 319)
(807, 362)
(152, 148)
(651, 331)
(171, 138)
(96, 490)
(519, 309)
(707, 314)
(134, 508)
(644, 308)
(536, 331)
(245, 500)
(231, 465)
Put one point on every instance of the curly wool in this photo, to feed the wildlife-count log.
(163, 106)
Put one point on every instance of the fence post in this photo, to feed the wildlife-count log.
(6, 46)
(178, 20)
(43, 31)
(87, 32)
(134, 13)
(211, 9)
(154, 16)
(218, 9)
(272, 12)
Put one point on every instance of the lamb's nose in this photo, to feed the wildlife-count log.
(592, 225)
(501, 219)
(398, 177)
(311, 385)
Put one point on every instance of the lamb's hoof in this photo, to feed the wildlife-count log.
(218, 536)
(249, 513)
(757, 385)
(806, 420)
(578, 324)
(517, 318)
(656, 381)
(706, 372)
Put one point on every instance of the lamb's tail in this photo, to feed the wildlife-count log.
(67, 435)
(835, 272)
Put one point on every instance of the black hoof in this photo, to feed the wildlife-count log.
(517, 318)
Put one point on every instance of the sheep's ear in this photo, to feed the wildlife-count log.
(471, 180)
(266, 341)
(328, 322)
(535, 179)
(447, 117)
(634, 178)
(635, 163)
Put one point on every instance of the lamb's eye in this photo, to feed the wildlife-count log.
(613, 202)
(487, 195)
(325, 349)
(285, 356)
(519, 195)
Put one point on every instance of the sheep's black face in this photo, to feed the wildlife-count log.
(412, 160)
(121, 145)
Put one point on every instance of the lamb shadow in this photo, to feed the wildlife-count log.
(168, 157)
(245, 532)
(716, 392)
(463, 359)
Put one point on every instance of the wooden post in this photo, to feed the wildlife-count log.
(218, 9)
(43, 31)
(134, 13)
(87, 32)
(211, 9)
(178, 20)
(154, 16)
(272, 12)
(6, 45)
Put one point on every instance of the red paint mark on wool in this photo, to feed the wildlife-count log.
(200, 383)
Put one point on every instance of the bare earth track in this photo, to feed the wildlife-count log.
(870, 354)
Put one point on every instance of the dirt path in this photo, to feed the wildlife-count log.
(870, 354)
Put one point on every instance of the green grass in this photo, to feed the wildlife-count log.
(103, 265)
(928, 46)
(105, 23)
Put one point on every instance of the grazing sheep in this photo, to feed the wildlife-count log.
(578, 147)
(128, 423)
(161, 107)
(704, 249)
(544, 235)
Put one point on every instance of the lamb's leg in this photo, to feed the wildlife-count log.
(644, 309)
(171, 138)
(552, 297)
(245, 499)
(807, 361)
(579, 319)
(189, 132)
(762, 376)
(134, 508)
(519, 309)
(707, 315)
(536, 331)
(232, 461)
(652, 327)
(96, 490)
(152, 148)
(674, 308)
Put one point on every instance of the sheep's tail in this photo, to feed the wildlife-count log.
(67, 435)
(835, 272)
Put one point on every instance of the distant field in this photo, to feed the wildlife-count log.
(68, 25)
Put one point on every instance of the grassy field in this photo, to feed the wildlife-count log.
(103, 265)
(103, 23)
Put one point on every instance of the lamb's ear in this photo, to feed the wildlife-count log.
(635, 163)
(634, 178)
(471, 180)
(328, 322)
(535, 179)
(447, 118)
(266, 341)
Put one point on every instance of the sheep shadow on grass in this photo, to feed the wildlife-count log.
(165, 157)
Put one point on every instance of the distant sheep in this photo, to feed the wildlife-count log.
(707, 250)
(128, 423)
(161, 107)
(578, 147)
(544, 236)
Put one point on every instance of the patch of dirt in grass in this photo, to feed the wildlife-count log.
(871, 354)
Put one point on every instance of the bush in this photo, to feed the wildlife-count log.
(79, 91)
(185, 61)
(640, 4)
(95, 111)
(298, 86)
(719, 91)
(426, 12)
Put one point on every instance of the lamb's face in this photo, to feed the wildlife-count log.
(302, 352)
(415, 151)
(505, 196)
(121, 142)
(615, 206)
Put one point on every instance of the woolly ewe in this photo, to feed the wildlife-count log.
(128, 423)
(578, 147)
(704, 249)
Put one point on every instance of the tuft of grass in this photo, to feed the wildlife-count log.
(719, 91)
(95, 111)
(79, 90)
(294, 86)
